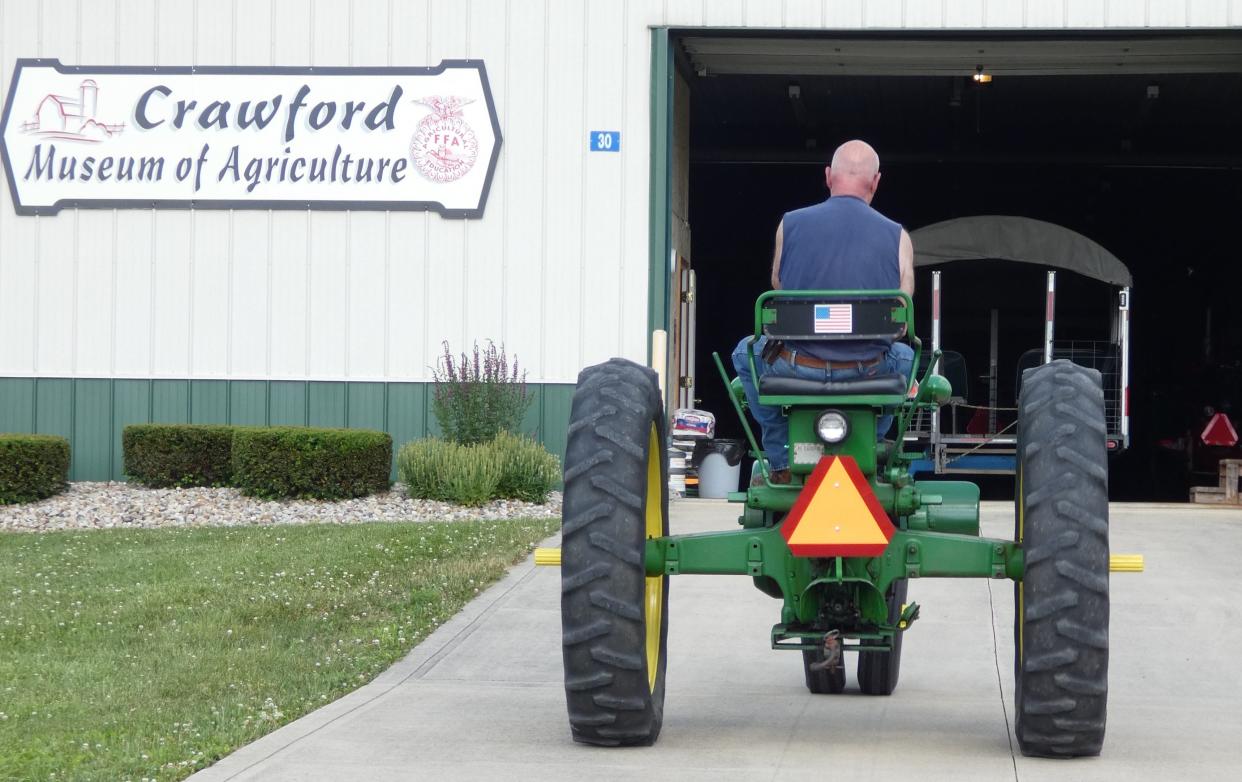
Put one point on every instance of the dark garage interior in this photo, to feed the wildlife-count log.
(1147, 164)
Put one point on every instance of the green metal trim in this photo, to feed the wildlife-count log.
(660, 226)
(93, 412)
(763, 553)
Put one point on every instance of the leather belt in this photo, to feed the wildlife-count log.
(804, 360)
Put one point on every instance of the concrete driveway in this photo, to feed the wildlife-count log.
(482, 697)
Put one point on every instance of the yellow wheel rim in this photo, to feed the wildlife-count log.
(653, 591)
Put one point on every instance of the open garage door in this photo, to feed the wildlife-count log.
(1130, 140)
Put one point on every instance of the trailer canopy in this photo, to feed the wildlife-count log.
(1008, 238)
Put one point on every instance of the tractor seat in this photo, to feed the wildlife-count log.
(878, 385)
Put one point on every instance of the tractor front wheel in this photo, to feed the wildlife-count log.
(822, 681)
(878, 671)
(614, 618)
(1061, 611)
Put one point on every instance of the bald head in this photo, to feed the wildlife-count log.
(855, 171)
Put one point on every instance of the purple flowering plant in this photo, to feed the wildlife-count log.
(478, 395)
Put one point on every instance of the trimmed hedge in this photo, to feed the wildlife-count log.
(509, 467)
(296, 462)
(32, 467)
(528, 470)
(182, 455)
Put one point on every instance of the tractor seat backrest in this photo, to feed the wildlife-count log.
(877, 385)
(834, 317)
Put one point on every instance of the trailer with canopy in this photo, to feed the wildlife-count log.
(974, 433)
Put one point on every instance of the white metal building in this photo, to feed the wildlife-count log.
(110, 316)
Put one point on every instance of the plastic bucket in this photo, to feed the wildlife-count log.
(720, 467)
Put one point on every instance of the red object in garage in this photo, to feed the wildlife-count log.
(1219, 431)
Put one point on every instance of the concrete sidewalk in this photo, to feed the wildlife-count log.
(482, 697)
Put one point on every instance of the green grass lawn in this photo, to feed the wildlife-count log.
(149, 654)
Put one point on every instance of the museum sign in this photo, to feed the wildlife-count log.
(250, 138)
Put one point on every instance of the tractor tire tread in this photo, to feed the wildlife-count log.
(1062, 663)
(608, 693)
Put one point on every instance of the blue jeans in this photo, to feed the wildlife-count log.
(775, 427)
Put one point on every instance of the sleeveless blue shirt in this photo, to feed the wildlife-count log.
(840, 244)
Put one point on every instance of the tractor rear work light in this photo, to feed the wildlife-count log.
(831, 426)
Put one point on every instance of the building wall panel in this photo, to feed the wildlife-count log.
(484, 271)
(635, 84)
(17, 404)
(19, 237)
(172, 292)
(287, 403)
(92, 413)
(326, 404)
(801, 13)
(565, 247)
(757, 13)
(882, 13)
(1086, 13)
(843, 14)
(683, 13)
(210, 291)
(1200, 13)
(964, 14)
(725, 13)
(368, 294)
(1045, 15)
(131, 404)
(602, 196)
(924, 13)
(248, 402)
(92, 430)
(444, 287)
(556, 268)
(55, 325)
(1004, 13)
(525, 237)
(250, 260)
(1125, 13)
(209, 401)
(365, 407)
(170, 401)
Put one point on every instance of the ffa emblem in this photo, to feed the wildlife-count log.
(444, 146)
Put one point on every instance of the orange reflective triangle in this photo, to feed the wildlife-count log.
(837, 514)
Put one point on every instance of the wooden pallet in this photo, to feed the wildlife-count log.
(1224, 494)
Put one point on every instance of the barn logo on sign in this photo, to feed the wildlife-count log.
(72, 119)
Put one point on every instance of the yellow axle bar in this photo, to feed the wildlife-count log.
(1117, 563)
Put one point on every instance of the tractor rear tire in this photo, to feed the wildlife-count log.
(1061, 604)
(878, 671)
(614, 619)
(822, 682)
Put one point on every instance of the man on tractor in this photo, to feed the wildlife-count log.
(838, 244)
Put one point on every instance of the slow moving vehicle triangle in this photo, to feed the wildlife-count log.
(837, 514)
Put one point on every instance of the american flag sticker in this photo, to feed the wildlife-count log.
(834, 318)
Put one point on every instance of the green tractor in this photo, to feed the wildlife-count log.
(838, 545)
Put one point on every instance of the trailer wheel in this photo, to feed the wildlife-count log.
(1061, 604)
(878, 671)
(614, 619)
(822, 682)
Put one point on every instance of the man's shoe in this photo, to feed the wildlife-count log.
(776, 476)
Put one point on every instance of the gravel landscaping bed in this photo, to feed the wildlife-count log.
(128, 506)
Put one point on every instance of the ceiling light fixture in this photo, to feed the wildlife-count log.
(981, 77)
